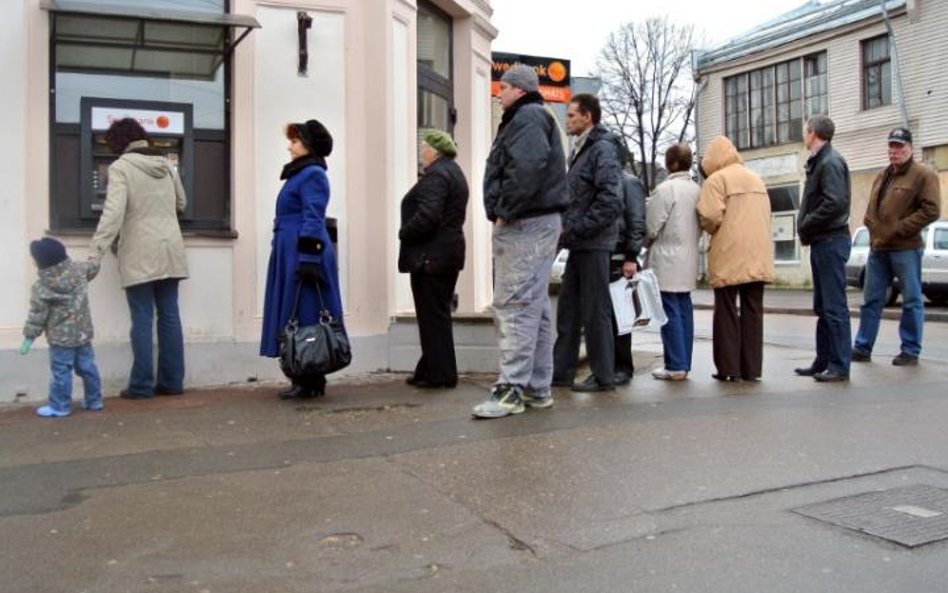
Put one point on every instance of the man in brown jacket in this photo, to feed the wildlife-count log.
(905, 198)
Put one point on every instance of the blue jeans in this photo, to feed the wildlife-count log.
(143, 301)
(881, 267)
(833, 330)
(63, 361)
(678, 335)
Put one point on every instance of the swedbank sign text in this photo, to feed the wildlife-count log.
(552, 72)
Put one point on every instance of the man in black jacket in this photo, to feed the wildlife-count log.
(524, 196)
(823, 224)
(624, 261)
(590, 233)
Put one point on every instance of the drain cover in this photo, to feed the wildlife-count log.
(911, 516)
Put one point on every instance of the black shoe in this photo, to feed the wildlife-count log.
(860, 356)
(828, 376)
(411, 380)
(127, 395)
(165, 391)
(808, 371)
(296, 391)
(905, 360)
(622, 378)
(726, 378)
(425, 384)
(561, 383)
(592, 385)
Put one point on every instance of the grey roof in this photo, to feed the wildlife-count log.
(816, 16)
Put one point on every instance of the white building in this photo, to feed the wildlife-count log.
(377, 71)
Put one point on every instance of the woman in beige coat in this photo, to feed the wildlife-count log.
(673, 233)
(734, 209)
(141, 210)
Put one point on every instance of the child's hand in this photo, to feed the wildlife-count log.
(25, 347)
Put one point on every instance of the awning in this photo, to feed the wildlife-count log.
(143, 41)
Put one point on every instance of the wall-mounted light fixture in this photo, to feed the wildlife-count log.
(304, 22)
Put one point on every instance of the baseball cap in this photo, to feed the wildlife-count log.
(900, 136)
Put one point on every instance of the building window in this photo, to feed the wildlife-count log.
(876, 73)
(170, 71)
(435, 69)
(784, 204)
(767, 106)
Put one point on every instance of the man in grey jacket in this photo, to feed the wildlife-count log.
(590, 233)
(524, 196)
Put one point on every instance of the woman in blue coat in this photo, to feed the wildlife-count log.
(301, 253)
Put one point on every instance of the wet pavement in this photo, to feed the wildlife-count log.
(657, 486)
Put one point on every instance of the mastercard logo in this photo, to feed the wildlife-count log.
(162, 121)
(556, 71)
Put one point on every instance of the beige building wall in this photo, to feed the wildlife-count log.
(860, 133)
(362, 86)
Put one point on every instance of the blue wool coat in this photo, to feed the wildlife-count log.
(300, 213)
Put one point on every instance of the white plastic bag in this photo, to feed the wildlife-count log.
(637, 303)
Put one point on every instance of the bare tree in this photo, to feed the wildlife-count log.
(648, 95)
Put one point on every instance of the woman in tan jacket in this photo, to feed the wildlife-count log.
(141, 210)
(734, 209)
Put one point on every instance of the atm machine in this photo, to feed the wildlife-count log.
(168, 125)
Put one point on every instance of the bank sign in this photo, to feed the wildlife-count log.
(553, 74)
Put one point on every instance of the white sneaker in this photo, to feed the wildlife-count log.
(542, 399)
(504, 400)
(666, 375)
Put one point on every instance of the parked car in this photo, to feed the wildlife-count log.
(934, 263)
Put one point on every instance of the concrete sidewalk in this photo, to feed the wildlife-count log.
(379, 487)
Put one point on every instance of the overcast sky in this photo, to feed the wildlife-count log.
(576, 30)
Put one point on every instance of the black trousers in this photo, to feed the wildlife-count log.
(584, 308)
(738, 334)
(433, 295)
(623, 344)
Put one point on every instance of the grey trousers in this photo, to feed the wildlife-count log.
(523, 253)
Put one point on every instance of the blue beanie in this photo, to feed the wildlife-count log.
(47, 252)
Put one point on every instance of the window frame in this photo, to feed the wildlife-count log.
(885, 91)
(61, 218)
(431, 81)
(781, 100)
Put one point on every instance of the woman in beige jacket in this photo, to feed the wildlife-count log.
(734, 209)
(141, 210)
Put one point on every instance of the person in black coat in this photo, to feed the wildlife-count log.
(590, 231)
(432, 253)
(624, 261)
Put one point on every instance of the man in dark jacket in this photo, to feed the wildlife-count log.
(590, 233)
(524, 196)
(905, 198)
(823, 224)
(624, 261)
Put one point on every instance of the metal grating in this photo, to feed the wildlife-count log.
(911, 516)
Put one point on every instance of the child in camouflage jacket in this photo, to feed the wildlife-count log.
(59, 305)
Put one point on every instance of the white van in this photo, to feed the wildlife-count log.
(934, 263)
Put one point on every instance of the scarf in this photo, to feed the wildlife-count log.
(298, 164)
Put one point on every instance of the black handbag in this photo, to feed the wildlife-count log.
(317, 349)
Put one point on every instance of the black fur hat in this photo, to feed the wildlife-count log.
(315, 137)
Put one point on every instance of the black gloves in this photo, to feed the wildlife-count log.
(310, 274)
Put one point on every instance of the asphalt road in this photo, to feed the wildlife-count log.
(690, 486)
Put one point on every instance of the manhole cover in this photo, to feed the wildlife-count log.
(911, 516)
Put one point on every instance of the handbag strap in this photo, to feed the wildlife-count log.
(324, 313)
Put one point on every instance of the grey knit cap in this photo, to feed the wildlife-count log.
(522, 77)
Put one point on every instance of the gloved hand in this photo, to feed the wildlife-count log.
(310, 274)
(25, 347)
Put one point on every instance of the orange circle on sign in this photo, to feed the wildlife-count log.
(556, 71)
(162, 121)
